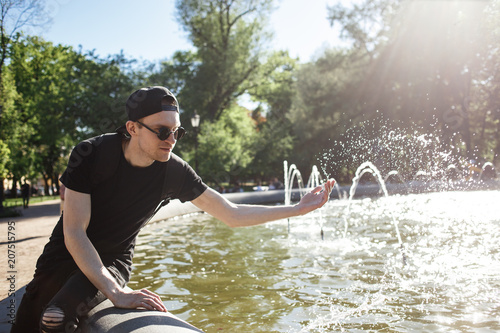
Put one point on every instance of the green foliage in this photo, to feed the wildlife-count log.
(231, 61)
(100, 103)
(10, 126)
(323, 106)
(274, 143)
(228, 36)
(175, 74)
(47, 91)
(275, 139)
(15, 15)
(9, 212)
(441, 76)
(484, 103)
(225, 146)
(422, 74)
(4, 157)
(60, 102)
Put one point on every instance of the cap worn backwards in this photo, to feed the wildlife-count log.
(147, 101)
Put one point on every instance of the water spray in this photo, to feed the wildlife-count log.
(314, 180)
(368, 167)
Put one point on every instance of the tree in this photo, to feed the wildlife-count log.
(275, 140)
(230, 139)
(230, 38)
(419, 73)
(62, 102)
(324, 105)
(485, 96)
(230, 61)
(14, 15)
(45, 88)
(9, 116)
(4, 156)
(99, 105)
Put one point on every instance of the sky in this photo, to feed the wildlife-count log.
(147, 30)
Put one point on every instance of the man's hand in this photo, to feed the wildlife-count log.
(316, 198)
(137, 299)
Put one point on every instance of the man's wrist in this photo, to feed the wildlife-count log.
(114, 292)
(298, 210)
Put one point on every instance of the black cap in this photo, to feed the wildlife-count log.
(147, 101)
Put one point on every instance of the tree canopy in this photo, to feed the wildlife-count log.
(431, 65)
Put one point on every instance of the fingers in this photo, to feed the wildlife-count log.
(152, 305)
(326, 190)
(329, 185)
(317, 197)
(317, 189)
(140, 299)
(151, 301)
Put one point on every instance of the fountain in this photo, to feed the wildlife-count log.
(291, 174)
(368, 167)
(394, 173)
(315, 179)
(489, 168)
(261, 279)
(269, 278)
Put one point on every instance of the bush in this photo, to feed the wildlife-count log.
(9, 212)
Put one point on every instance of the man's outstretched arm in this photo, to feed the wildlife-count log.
(236, 215)
(77, 209)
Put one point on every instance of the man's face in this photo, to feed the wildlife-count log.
(151, 145)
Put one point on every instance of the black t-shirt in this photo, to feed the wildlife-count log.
(122, 201)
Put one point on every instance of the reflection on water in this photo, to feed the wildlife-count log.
(262, 279)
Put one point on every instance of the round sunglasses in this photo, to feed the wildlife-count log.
(164, 132)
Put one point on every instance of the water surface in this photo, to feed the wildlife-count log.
(264, 279)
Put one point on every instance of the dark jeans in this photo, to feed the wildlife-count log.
(26, 201)
(66, 292)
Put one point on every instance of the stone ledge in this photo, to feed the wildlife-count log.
(106, 318)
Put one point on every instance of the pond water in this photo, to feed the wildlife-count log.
(268, 279)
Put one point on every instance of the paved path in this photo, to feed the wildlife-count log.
(31, 231)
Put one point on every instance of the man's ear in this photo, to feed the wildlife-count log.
(131, 128)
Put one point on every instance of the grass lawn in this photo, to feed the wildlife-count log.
(18, 202)
(10, 204)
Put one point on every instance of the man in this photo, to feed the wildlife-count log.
(25, 193)
(89, 255)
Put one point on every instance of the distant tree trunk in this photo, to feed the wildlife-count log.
(13, 189)
(2, 198)
(55, 182)
(46, 184)
(496, 156)
(466, 132)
